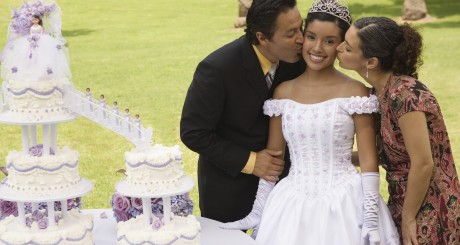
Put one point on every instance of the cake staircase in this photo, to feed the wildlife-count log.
(97, 111)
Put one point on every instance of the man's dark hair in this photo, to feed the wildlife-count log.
(262, 17)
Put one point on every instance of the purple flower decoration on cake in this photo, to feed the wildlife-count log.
(121, 203)
(8, 208)
(33, 40)
(120, 215)
(29, 222)
(58, 47)
(21, 19)
(37, 215)
(14, 69)
(21, 23)
(37, 151)
(136, 203)
(49, 71)
(156, 224)
(42, 223)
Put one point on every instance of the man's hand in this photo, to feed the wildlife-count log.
(268, 166)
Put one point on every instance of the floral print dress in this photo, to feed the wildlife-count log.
(438, 220)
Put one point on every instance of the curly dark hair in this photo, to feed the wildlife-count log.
(397, 47)
(262, 17)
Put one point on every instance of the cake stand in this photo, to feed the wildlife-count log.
(49, 138)
(126, 189)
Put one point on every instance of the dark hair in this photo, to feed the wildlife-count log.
(36, 16)
(398, 47)
(262, 17)
(322, 16)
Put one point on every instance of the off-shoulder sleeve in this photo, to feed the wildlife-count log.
(273, 107)
(362, 105)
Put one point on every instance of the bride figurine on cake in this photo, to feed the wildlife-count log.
(35, 49)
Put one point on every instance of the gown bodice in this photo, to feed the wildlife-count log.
(320, 138)
(36, 29)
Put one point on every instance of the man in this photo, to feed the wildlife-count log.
(222, 117)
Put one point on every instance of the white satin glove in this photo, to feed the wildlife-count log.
(253, 218)
(370, 230)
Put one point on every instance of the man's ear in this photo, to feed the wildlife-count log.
(263, 40)
(372, 63)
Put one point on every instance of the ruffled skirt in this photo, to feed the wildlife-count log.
(35, 58)
(290, 217)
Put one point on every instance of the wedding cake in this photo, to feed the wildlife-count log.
(36, 101)
(42, 179)
(155, 173)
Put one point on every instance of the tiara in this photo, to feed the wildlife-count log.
(332, 7)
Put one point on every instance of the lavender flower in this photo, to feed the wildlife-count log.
(134, 212)
(42, 223)
(21, 19)
(120, 215)
(37, 151)
(49, 71)
(33, 40)
(37, 215)
(121, 203)
(14, 69)
(156, 224)
(28, 221)
(8, 208)
(136, 203)
(21, 24)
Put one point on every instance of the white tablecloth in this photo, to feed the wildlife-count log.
(104, 231)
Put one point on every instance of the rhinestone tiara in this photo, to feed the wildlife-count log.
(332, 7)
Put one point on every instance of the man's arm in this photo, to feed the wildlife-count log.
(202, 111)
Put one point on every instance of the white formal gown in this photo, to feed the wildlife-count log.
(321, 200)
(35, 57)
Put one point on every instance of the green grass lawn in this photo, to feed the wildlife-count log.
(143, 54)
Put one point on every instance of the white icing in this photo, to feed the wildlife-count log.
(34, 106)
(74, 229)
(180, 230)
(28, 173)
(158, 168)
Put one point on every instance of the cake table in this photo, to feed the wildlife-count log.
(105, 233)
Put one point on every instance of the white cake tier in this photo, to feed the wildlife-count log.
(81, 189)
(181, 187)
(49, 173)
(180, 231)
(41, 101)
(155, 170)
(74, 229)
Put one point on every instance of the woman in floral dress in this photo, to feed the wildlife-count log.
(413, 143)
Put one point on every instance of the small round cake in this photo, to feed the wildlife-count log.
(155, 170)
(33, 173)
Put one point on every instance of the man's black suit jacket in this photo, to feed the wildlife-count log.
(222, 120)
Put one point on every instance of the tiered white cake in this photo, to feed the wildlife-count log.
(156, 172)
(35, 79)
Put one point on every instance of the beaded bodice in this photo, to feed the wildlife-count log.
(36, 29)
(320, 137)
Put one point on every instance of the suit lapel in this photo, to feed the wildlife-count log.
(254, 74)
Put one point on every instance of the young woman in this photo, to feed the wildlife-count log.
(324, 199)
(413, 146)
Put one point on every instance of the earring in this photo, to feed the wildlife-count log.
(367, 72)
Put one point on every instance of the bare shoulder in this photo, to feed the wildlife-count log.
(284, 90)
(354, 88)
